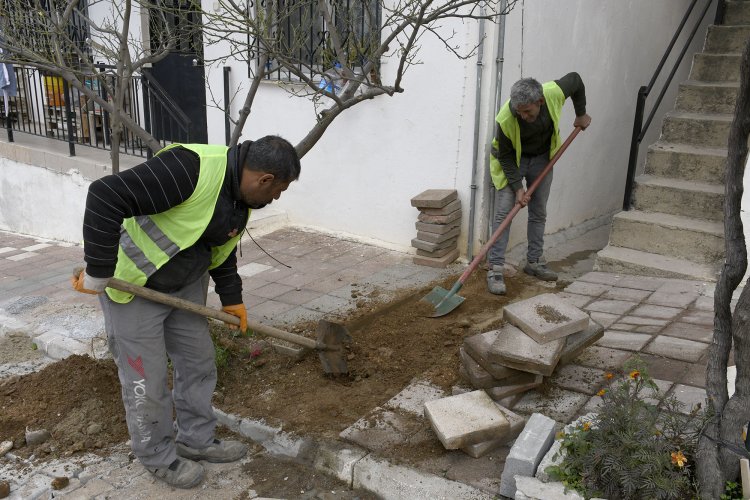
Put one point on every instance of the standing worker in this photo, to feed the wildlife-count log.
(167, 224)
(527, 135)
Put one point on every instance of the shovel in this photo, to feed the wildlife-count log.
(446, 301)
(329, 344)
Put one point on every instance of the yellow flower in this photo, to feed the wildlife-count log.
(635, 374)
(586, 426)
(609, 376)
(678, 458)
(559, 435)
(601, 392)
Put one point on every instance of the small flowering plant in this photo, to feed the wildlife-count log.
(638, 446)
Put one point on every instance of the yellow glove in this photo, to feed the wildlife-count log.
(239, 311)
(84, 283)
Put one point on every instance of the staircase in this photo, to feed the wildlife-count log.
(675, 228)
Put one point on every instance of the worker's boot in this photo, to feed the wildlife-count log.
(495, 281)
(220, 451)
(181, 473)
(540, 270)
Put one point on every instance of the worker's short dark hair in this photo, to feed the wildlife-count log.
(525, 91)
(273, 155)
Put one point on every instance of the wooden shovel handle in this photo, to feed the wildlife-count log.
(209, 312)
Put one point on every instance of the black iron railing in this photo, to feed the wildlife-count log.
(639, 127)
(45, 105)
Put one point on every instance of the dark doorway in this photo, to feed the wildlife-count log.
(181, 73)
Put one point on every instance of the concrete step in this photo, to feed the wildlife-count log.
(697, 129)
(671, 235)
(722, 39)
(699, 200)
(738, 12)
(707, 97)
(624, 260)
(716, 67)
(683, 161)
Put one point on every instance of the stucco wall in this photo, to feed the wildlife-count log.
(359, 178)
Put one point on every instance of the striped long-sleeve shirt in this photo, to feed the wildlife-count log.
(152, 187)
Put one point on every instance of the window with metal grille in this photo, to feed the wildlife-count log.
(301, 35)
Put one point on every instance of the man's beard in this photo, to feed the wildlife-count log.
(256, 206)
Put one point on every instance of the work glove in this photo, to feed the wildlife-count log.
(84, 283)
(239, 311)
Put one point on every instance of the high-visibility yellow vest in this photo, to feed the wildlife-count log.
(147, 242)
(555, 99)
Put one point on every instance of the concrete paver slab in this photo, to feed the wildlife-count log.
(628, 294)
(578, 378)
(517, 350)
(696, 317)
(558, 404)
(434, 198)
(413, 397)
(672, 299)
(466, 419)
(603, 358)
(676, 348)
(527, 452)
(697, 333)
(689, 396)
(610, 306)
(514, 386)
(583, 288)
(661, 312)
(575, 299)
(546, 317)
(381, 429)
(576, 343)
(478, 347)
(604, 319)
(624, 340)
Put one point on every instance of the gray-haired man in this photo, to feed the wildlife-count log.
(527, 135)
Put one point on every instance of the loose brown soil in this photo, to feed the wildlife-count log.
(393, 343)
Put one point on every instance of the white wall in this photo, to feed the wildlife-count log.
(359, 178)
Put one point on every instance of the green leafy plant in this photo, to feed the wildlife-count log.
(732, 491)
(638, 446)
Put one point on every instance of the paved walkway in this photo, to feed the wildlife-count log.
(669, 322)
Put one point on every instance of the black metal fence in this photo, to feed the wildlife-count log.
(45, 105)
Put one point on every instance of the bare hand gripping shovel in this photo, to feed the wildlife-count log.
(329, 343)
(446, 301)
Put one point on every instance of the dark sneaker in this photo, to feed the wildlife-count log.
(540, 270)
(219, 452)
(181, 473)
(495, 281)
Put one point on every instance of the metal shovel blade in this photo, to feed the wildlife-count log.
(331, 338)
(443, 301)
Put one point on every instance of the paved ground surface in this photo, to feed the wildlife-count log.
(668, 321)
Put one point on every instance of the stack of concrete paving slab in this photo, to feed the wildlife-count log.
(540, 334)
(438, 227)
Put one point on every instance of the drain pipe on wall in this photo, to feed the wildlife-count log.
(478, 113)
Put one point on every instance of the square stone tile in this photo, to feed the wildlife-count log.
(576, 343)
(660, 312)
(583, 288)
(381, 429)
(273, 290)
(604, 319)
(513, 386)
(689, 397)
(675, 348)
(633, 321)
(667, 369)
(593, 405)
(466, 419)
(413, 397)
(704, 303)
(478, 347)
(697, 333)
(656, 397)
(611, 306)
(628, 294)
(578, 378)
(601, 278)
(603, 358)
(558, 404)
(624, 340)
(705, 318)
(673, 285)
(641, 282)
(546, 317)
(576, 299)
(252, 269)
(514, 349)
(672, 299)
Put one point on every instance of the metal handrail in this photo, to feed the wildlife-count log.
(639, 128)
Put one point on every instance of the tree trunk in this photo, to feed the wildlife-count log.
(716, 463)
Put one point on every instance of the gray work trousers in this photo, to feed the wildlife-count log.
(141, 335)
(505, 198)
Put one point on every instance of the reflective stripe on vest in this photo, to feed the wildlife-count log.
(555, 100)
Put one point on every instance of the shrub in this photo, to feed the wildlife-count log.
(632, 449)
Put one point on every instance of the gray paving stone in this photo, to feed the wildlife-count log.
(576, 343)
(632, 321)
(604, 319)
(641, 282)
(466, 419)
(703, 303)
(473, 371)
(583, 288)
(57, 345)
(603, 358)
(478, 347)
(527, 452)
(297, 314)
(689, 331)
(682, 286)
(655, 397)
(413, 397)
(546, 317)
(328, 303)
(672, 299)
(705, 318)
(610, 306)
(517, 423)
(338, 460)
(675, 348)
(689, 396)
(600, 277)
(661, 312)
(575, 299)
(434, 198)
(592, 405)
(515, 349)
(624, 340)
(628, 294)
(559, 404)
(381, 429)
(578, 378)
(513, 386)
